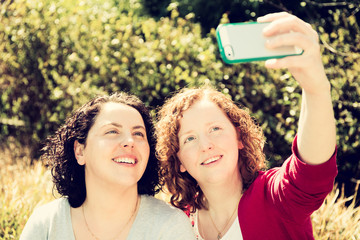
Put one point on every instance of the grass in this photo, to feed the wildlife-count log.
(333, 220)
(24, 187)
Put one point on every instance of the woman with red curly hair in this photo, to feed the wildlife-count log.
(212, 152)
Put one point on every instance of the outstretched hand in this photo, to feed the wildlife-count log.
(316, 132)
(288, 30)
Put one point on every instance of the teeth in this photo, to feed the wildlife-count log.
(124, 160)
(210, 160)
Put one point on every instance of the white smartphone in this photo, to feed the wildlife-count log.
(244, 42)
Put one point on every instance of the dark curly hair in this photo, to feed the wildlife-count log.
(183, 187)
(58, 152)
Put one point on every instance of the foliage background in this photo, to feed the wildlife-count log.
(55, 55)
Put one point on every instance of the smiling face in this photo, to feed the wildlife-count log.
(208, 144)
(116, 149)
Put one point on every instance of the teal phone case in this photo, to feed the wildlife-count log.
(230, 36)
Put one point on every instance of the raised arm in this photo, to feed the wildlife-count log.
(316, 130)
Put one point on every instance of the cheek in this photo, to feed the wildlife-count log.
(186, 154)
(180, 156)
(105, 143)
(144, 149)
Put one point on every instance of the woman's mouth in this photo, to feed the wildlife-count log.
(125, 160)
(211, 160)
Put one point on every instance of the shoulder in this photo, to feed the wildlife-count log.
(54, 206)
(43, 217)
(171, 223)
(50, 210)
(159, 208)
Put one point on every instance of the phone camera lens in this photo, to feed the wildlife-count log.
(229, 53)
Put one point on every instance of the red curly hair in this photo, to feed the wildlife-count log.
(184, 189)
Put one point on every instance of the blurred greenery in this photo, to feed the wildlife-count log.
(209, 13)
(56, 55)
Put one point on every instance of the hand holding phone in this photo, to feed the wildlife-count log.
(244, 42)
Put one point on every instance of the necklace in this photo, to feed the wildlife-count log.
(219, 236)
(94, 236)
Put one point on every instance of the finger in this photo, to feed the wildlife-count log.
(310, 57)
(289, 24)
(304, 62)
(293, 39)
(287, 62)
(272, 16)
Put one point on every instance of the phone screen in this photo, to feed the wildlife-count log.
(244, 42)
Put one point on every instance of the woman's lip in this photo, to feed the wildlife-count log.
(125, 159)
(212, 160)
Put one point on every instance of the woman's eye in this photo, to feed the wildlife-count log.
(112, 132)
(139, 134)
(189, 139)
(213, 129)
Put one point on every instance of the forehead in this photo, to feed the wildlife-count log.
(118, 113)
(202, 112)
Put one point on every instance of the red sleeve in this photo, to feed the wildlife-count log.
(298, 189)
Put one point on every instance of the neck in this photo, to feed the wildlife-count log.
(222, 201)
(109, 215)
(107, 203)
(232, 188)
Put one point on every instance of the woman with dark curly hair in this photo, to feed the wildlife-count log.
(104, 166)
(212, 157)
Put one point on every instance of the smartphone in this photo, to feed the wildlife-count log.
(244, 42)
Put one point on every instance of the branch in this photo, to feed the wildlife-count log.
(331, 49)
(279, 6)
(328, 4)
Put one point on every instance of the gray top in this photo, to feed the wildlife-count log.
(154, 220)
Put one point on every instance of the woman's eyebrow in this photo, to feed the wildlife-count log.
(121, 126)
(138, 126)
(113, 124)
(185, 133)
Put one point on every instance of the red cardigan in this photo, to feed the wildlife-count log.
(278, 204)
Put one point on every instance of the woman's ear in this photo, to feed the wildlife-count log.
(79, 152)
(240, 143)
(182, 168)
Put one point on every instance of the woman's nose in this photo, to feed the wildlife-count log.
(206, 144)
(128, 142)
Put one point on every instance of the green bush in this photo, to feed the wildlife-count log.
(54, 56)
